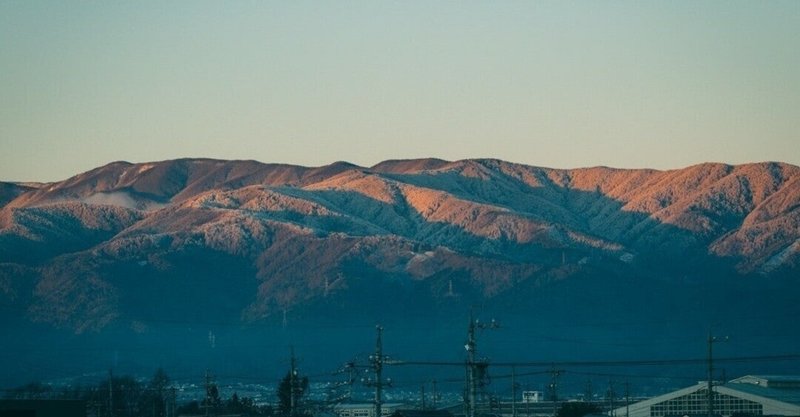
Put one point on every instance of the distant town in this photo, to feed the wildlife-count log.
(362, 389)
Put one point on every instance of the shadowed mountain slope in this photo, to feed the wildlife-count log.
(311, 237)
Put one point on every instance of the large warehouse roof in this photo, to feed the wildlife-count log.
(777, 395)
(783, 388)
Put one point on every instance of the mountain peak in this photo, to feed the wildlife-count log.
(409, 166)
(487, 223)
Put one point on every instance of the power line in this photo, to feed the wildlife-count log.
(612, 363)
(546, 365)
(612, 375)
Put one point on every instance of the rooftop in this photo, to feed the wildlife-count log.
(787, 395)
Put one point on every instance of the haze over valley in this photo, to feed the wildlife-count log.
(197, 263)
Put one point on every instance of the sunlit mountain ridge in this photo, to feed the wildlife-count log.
(126, 252)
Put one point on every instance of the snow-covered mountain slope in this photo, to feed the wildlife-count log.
(302, 236)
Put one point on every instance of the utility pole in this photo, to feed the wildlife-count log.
(627, 398)
(471, 383)
(110, 393)
(208, 391)
(350, 379)
(611, 394)
(473, 364)
(378, 363)
(378, 359)
(527, 406)
(553, 388)
(212, 395)
(711, 340)
(434, 393)
(292, 383)
(710, 388)
(513, 391)
(173, 398)
(588, 394)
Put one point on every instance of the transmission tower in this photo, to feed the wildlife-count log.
(476, 368)
(377, 361)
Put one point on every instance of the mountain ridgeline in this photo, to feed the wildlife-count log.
(131, 249)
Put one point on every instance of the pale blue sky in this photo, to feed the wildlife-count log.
(562, 84)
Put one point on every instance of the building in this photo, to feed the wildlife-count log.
(365, 409)
(750, 395)
(531, 396)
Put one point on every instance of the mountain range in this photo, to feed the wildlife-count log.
(136, 247)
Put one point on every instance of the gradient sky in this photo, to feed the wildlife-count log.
(561, 84)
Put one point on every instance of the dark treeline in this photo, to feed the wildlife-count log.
(124, 396)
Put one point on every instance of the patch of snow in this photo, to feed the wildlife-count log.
(145, 167)
(119, 199)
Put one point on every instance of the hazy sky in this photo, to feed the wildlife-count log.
(562, 84)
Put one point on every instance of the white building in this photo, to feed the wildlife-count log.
(531, 396)
(365, 409)
(746, 396)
